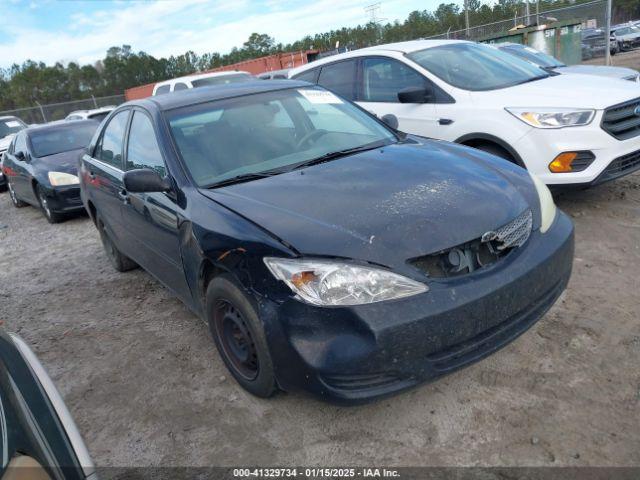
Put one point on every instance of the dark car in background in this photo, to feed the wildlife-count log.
(9, 126)
(41, 167)
(38, 438)
(627, 36)
(326, 251)
(594, 43)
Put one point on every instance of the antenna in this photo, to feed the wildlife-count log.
(373, 11)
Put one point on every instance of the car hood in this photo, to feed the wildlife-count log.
(386, 205)
(600, 70)
(587, 91)
(66, 162)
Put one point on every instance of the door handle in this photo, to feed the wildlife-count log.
(92, 175)
(445, 121)
(124, 196)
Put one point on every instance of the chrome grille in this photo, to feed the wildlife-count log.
(516, 232)
(621, 121)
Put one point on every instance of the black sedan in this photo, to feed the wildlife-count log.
(41, 167)
(327, 252)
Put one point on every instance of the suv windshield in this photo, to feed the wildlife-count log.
(532, 55)
(221, 80)
(10, 126)
(267, 132)
(471, 66)
(47, 142)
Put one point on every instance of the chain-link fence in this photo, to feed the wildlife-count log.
(590, 16)
(58, 111)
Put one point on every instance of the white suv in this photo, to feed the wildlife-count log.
(200, 80)
(567, 129)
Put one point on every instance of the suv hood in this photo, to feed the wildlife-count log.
(586, 91)
(387, 205)
(599, 70)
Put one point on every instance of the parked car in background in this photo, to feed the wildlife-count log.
(97, 114)
(552, 64)
(41, 167)
(39, 439)
(594, 44)
(328, 252)
(275, 74)
(627, 36)
(200, 80)
(563, 131)
(9, 126)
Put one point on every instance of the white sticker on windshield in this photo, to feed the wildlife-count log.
(12, 124)
(320, 96)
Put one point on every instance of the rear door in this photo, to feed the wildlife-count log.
(102, 170)
(152, 218)
(382, 79)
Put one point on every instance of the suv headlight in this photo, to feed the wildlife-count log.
(60, 179)
(333, 283)
(553, 117)
(547, 205)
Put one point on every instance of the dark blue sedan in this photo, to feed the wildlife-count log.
(326, 251)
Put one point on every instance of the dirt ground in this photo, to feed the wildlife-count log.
(146, 386)
(623, 59)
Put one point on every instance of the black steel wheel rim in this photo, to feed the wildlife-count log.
(12, 194)
(236, 339)
(44, 204)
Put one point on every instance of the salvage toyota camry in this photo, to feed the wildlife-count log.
(326, 251)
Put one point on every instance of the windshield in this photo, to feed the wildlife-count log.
(47, 142)
(268, 131)
(10, 126)
(475, 67)
(221, 80)
(532, 55)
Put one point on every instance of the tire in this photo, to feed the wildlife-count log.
(14, 199)
(496, 150)
(239, 336)
(51, 216)
(120, 262)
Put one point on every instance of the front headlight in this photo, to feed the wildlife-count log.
(547, 205)
(332, 283)
(553, 117)
(60, 179)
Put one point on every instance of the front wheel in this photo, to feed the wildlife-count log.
(239, 336)
(51, 216)
(120, 261)
(14, 198)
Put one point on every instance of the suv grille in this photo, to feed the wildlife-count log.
(468, 257)
(621, 121)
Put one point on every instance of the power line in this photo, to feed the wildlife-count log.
(373, 11)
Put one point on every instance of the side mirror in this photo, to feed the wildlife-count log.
(144, 180)
(20, 156)
(391, 120)
(415, 95)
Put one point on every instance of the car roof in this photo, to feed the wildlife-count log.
(59, 125)
(194, 96)
(402, 47)
(7, 117)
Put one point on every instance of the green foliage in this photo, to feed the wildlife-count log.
(122, 68)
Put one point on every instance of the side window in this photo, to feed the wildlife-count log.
(143, 150)
(109, 148)
(340, 78)
(383, 78)
(20, 144)
(308, 76)
(163, 89)
(179, 86)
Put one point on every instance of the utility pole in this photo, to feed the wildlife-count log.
(537, 12)
(44, 117)
(527, 13)
(466, 18)
(607, 33)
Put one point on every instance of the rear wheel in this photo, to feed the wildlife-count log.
(120, 262)
(14, 199)
(239, 336)
(51, 216)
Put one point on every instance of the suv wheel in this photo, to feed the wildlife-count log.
(498, 151)
(120, 262)
(14, 198)
(239, 336)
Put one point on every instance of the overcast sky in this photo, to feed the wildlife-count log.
(82, 30)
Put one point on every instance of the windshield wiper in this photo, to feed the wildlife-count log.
(533, 79)
(245, 177)
(338, 154)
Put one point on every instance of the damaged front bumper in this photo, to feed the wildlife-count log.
(356, 354)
